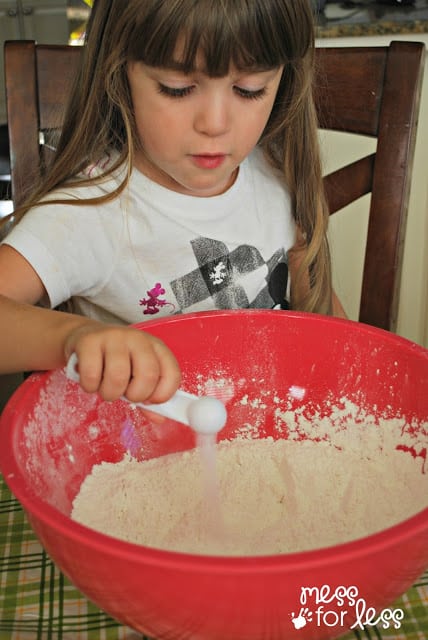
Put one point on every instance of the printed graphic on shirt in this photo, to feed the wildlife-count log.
(230, 278)
(278, 286)
(153, 303)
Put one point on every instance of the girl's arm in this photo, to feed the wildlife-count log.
(113, 360)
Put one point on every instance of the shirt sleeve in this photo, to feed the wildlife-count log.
(72, 248)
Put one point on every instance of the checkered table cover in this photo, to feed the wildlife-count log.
(38, 603)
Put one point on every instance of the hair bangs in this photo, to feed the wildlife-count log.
(215, 35)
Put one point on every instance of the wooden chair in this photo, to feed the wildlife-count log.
(37, 80)
(367, 90)
(374, 91)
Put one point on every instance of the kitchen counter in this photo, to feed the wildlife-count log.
(369, 18)
(339, 19)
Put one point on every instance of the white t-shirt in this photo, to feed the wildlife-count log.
(154, 252)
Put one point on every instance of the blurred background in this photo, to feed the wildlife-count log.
(49, 22)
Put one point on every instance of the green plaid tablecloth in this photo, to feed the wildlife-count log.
(38, 603)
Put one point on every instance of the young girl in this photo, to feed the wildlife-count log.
(187, 177)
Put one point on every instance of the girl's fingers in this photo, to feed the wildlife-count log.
(170, 374)
(155, 377)
(116, 374)
(90, 368)
(117, 361)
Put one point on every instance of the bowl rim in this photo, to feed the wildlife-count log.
(38, 510)
(305, 316)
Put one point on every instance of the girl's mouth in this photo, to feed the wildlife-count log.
(208, 161)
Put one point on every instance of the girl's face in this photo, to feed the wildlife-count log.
(196, 130)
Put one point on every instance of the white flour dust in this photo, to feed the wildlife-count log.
(276, 496)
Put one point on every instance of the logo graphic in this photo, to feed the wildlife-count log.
(218, 273)
(153, 303)
(324, 606)
(302, 619)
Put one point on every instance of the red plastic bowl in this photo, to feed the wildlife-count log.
(52, 433)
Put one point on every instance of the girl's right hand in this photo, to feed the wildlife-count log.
(115, 361)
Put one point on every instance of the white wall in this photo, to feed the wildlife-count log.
(351, 223)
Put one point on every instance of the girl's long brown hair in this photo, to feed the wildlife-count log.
(248, 34)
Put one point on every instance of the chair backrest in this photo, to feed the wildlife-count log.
(365, 90)
(38, 79)
(374, 91)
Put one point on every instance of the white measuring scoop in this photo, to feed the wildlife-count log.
(204, 414)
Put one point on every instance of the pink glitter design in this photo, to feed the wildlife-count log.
(153, 302)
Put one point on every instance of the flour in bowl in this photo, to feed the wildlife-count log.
(276, 496)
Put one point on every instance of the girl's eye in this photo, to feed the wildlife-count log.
(182, 92)
(175, 92)
(247, 94)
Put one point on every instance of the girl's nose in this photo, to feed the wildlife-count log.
(212, 117)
